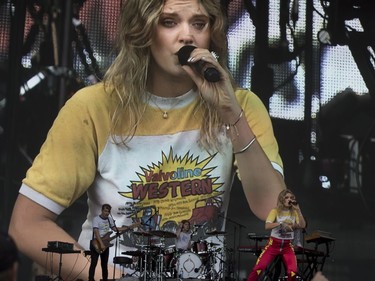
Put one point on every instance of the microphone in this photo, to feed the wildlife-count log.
(210, 73)
(293, 203)
(196, 270)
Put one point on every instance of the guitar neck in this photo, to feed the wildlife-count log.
(122, 232)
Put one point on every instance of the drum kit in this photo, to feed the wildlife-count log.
(161, 261)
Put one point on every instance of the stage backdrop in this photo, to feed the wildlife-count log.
(312, 82)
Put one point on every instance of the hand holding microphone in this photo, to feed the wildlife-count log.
(209, 72)
(295, 203)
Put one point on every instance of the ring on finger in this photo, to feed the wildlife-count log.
(216, 56)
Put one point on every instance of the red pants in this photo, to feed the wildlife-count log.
(273, 248)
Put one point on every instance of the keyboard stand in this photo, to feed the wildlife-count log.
(60, 252)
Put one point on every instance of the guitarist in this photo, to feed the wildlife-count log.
(103, 225)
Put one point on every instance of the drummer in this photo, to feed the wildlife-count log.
(183, 236)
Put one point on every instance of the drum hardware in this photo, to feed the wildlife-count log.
(169, 255)
(158, 262)
(150, 248)
(214, 259)
(146, 260)
(160, 259)
(200, 247)
(212, 274)
(163, 234)
(133, 253)
(142, 233)
(154, 260)
(122, 261)
(215, 232)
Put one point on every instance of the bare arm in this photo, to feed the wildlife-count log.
(302, 222)
(32, 226)
(261, 183)
(271, 225)
(178, 230)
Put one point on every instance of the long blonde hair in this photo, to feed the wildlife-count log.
(127, 76)
(280, 199)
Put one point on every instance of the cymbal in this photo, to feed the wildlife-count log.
(142, 233)
(215, 232)
(162, 233)
(133, 253)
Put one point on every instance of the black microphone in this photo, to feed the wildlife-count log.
(210, 73)
(196, 270)
(293, 203)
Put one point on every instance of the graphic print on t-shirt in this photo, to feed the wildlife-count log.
(174, 189)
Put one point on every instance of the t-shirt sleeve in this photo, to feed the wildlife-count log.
(95, 222)
(66, 164)
(260, 122)
(296, 216)
(272, 216)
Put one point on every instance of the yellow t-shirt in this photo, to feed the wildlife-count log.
(287, 216)
(161, 178)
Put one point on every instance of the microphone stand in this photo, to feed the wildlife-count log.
(116, 245)
(234, 241)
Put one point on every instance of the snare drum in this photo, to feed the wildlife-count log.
(189, 265)
(200, 247)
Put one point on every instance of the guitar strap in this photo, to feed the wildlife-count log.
(110, 226)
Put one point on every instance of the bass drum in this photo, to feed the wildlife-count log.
(189, 265)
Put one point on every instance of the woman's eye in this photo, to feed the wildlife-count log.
(168, 23)
(200, 25)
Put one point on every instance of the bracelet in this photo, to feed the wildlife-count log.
(227, 126)
(246, 146)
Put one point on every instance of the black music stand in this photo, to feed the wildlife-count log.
(60, 252)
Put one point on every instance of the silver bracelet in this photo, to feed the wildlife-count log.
(227, 126)
(246, 147)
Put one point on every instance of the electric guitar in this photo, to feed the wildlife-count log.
(107, 238)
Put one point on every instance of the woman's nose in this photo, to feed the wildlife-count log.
(186, 36)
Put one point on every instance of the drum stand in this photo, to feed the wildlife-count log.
(160, 261)
(220, 258)
(146, 263)
(210, 271)
(214, 257)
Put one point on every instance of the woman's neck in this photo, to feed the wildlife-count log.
(169, 88)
